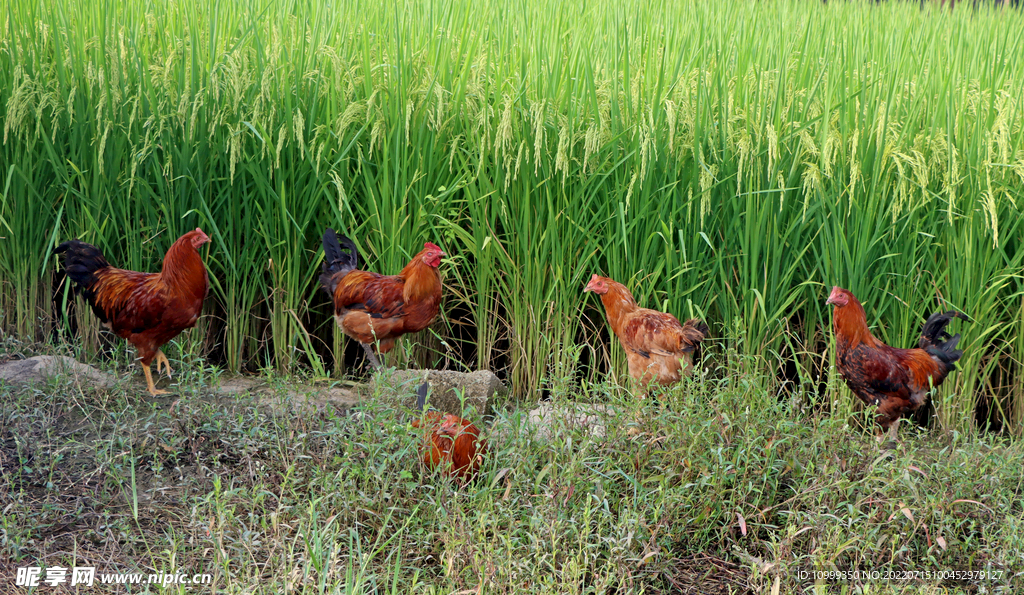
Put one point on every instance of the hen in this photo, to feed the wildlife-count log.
(377, 309)
(147, 309)
(897, 381)
(658, 348)
(450, 441)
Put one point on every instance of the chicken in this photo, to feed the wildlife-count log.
(450, 441)
(376, 309)
(147, 309)
(897, 381)
(658, 348)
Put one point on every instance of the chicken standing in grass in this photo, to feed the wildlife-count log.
(897, 381)
(147, 309)
(376, 309)
(450, 441)
(658, 348)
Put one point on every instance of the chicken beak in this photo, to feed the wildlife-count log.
(833, 298)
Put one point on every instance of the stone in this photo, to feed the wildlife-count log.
(446, 387)
(590, 417)
(238, 385)
(294, 397)
(306, 400)
(41, 368)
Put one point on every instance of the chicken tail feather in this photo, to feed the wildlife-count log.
(421, 396)
(340, 257)
(936, 341)
(694, 331)
(699, 326)
(81, 263)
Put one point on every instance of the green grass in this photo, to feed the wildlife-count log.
(727, 489)
(726, 160)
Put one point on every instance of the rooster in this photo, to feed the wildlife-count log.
(450, 441)
(658, 348)
(897, 381)
(377, 309)
(147, 309)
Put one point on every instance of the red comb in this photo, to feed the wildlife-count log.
(432, 246)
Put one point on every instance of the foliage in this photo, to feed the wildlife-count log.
(726, 160)
(722, 488)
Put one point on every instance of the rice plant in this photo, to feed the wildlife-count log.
(731, 161)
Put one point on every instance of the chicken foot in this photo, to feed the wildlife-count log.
(161, 359)
(149, 382)
(888, 437)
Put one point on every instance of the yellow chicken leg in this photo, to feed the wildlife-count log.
(161, 360)
(149, 383)
(893, 429)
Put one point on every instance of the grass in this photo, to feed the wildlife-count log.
(725, 489)
(729, 161)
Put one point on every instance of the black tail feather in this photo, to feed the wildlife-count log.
(339, 257)
(421, 396)
(936, 341)
(81, 261)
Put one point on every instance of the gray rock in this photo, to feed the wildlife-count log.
(44, 367)
(590, 417)
(294, 397)
(238, 385)
(446, 386)
(305, 400)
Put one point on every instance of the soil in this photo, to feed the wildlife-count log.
(163, 452)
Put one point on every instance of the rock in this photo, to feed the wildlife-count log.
(446, 387)
(297, 397)
(303, 399)
(590, 417)
(41, 368)
(238, 385)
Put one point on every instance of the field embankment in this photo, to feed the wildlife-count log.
(720, 489)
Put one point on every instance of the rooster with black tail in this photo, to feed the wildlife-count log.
(897, 381)
(376, 309)
(147, 309)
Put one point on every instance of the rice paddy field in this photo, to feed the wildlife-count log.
(730, 161)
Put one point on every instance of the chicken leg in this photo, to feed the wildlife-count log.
(888, 438)
(374, 362)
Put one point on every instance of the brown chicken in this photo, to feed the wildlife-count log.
(147, 309)
(377, 309)
(658, 348)
(897, 381)
(450, 441)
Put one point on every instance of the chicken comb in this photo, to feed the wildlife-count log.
(432, 246)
